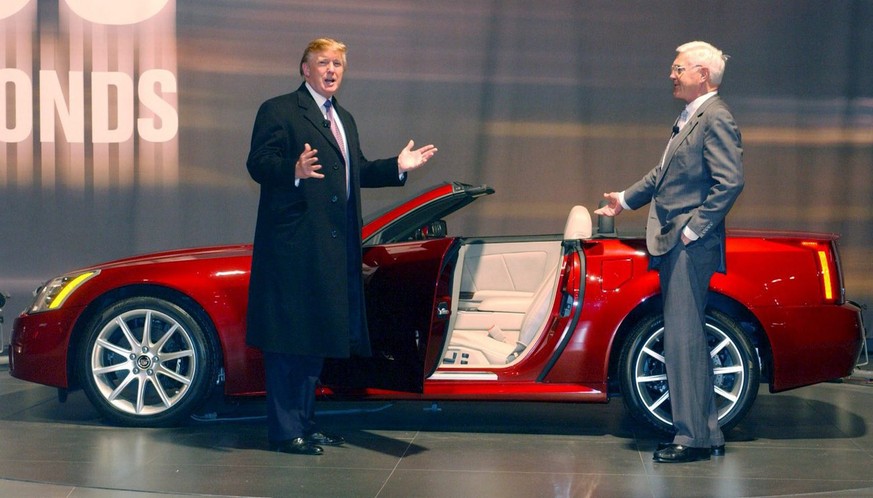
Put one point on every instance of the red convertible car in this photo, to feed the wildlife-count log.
(572, 317)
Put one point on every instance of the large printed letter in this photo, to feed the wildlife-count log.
(149, 98)
(51, 97)
(9, 7)
(116, 12)
(101, 107)
(22, 92)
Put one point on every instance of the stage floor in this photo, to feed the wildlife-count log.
(810, 441)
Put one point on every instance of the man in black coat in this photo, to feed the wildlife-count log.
(306, 298)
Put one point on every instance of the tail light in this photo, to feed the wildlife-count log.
(828, 270)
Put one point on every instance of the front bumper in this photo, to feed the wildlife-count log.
(40, 345)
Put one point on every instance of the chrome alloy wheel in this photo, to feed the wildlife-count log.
(643, 375)
(143, 362)
(651, 375)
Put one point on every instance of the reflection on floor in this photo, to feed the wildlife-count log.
(811, 441)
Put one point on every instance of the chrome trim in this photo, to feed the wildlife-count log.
(489, 376)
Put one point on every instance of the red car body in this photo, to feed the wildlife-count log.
(783, 294)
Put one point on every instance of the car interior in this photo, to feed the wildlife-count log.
(506, 294)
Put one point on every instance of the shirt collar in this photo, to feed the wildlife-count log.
(319, 98)
(696, 103)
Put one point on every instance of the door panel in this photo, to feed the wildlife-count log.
(405, 287)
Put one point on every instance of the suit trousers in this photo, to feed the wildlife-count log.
(291, 381)
(685, 273)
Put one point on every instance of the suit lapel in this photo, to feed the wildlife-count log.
(352, 144)
(683, 134)
(312, 113)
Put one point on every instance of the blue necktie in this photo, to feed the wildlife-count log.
(683, 118)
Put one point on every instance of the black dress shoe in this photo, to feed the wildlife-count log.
(677, 453)
(296, 446)
(717, 451)
(325, 439)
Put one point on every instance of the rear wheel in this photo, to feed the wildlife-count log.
(146, 362)
(644, 377)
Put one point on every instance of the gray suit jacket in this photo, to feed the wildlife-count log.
(700, 180)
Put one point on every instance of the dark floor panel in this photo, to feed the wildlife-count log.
(811, 441)
(514, 484)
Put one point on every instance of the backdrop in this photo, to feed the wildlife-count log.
(126, 123)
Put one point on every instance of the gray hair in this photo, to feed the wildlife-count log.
(705, 55)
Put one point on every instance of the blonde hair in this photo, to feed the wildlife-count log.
(706, 55)
(322, 45)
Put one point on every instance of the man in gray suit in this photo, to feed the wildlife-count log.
(690, 192)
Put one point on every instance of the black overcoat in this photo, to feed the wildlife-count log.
(298, 293)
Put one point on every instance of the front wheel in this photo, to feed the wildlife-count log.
(644, 377)
(146, 362)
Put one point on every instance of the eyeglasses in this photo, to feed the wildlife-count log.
(678, 70)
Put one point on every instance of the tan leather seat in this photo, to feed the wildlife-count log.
(497, 352)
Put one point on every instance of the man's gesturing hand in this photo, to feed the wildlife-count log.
(409, 159)
(307, 164)
(613, 208)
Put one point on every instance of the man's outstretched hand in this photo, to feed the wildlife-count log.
(613, 208)
(409, 159)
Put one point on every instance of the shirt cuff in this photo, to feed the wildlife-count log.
(689, 233)
(621, 201)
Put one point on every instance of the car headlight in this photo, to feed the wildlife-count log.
(52, 295)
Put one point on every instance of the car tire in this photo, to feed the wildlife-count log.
(644, 379)
(146, 362)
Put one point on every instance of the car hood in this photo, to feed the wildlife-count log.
(178, 255)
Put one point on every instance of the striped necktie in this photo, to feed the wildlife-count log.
(334, 128)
